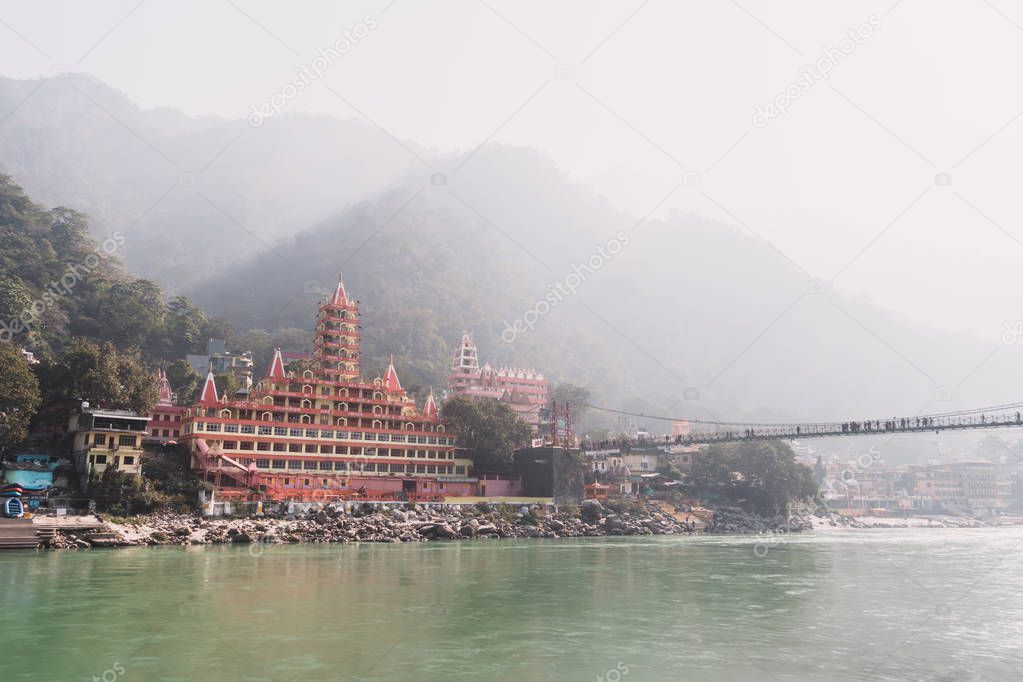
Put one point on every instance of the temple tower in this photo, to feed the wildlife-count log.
(336, 345)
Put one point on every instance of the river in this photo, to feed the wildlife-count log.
(927, 604)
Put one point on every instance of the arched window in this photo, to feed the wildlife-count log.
(440, 428)
(341, 421)
(377, 409)
(306, 402)
(409, 426)
(225, 413)
(266, 416)
(377, 424)
(306, 388)
(268, 400)
(305, 419)
(342, 407)
(377, 395)
(308, 374)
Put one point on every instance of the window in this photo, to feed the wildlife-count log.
(262, 464)
(326, 466)
(397, 467)
(340, 466)
(460, 471)
(279, 464)
(294, 464)
(129, 459)
(127, 441)
(431, 469)
(311, 464)
(294, 447)
(281, 431)
(420, 468)
(266, 431)
(230, 445)
(326, 449)
(265, 447)
(248, 428)
(310, 448)
(370, 466)
(341, 435)
(230, 428)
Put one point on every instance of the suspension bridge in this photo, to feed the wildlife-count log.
(703, 432)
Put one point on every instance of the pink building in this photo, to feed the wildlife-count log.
(525, 390)
(165, 423)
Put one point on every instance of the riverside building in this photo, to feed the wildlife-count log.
(327, 433)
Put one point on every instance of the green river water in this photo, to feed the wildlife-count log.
(837, 605)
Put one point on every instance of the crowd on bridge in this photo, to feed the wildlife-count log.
(788, 431)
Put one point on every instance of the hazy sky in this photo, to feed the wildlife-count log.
(648, 96)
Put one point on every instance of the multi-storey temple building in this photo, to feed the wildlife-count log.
(525, 390)
(327, 433)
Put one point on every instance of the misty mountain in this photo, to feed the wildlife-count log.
(189, 193)
(692, 318)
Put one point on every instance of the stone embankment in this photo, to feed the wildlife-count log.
(590, 519)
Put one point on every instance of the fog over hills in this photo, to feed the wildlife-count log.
(191, 190)
(473, 241)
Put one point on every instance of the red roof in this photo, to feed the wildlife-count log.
(209, 392)
(391, 379)
(339, 297)
(430, 409)
(276, 370)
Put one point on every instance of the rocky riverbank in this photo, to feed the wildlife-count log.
(590, 519)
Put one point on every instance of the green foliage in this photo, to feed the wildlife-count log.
(167, 473)
(671, 471)
(761, 475)
(489, 430)
(19, 395)
(100, 374)
(227, 384)
(57, 283)
(183, 380)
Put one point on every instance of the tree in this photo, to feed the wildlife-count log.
(762, 475)
(489, 430)
(578, 397)
(226, 385)
(184, 326)
(19, 395)
(101, 375)
(183, 380)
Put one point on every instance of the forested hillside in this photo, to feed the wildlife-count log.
(57, 282)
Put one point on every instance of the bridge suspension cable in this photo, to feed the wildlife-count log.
(943, 416)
